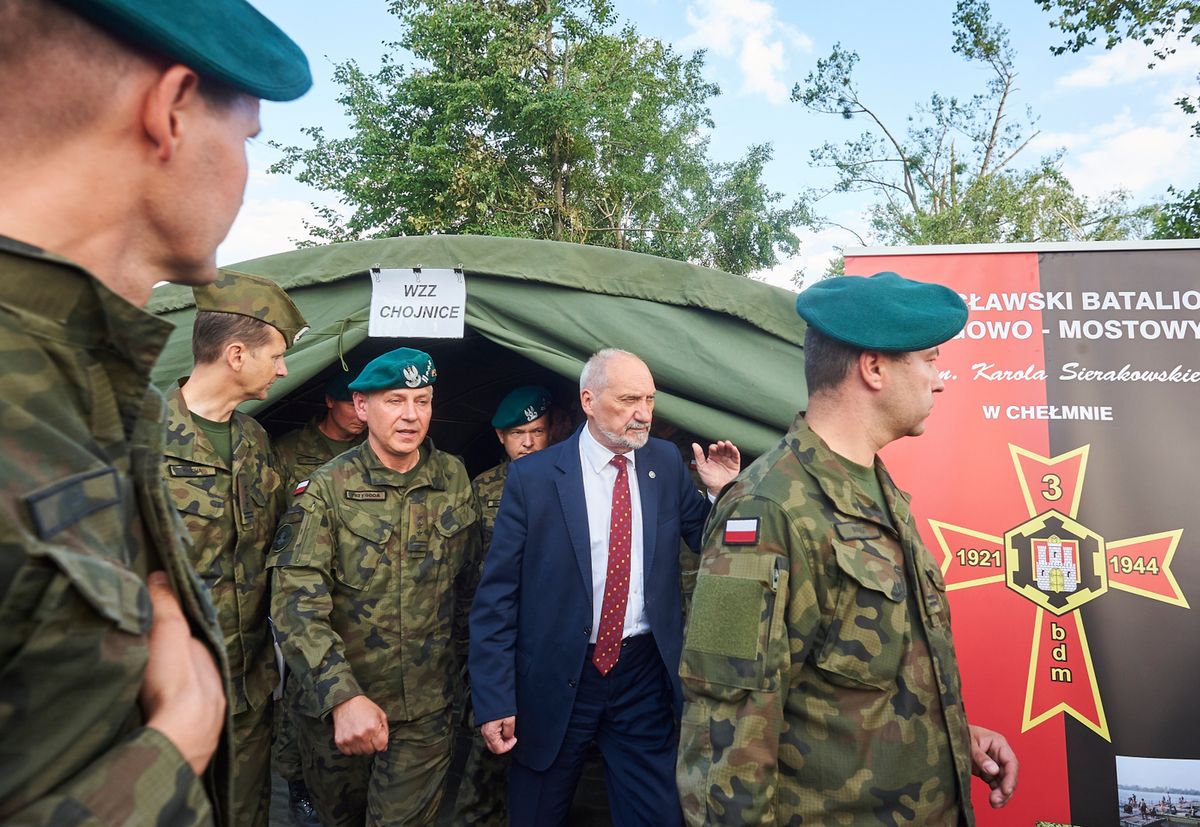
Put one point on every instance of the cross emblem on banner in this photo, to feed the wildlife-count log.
(1059, 565)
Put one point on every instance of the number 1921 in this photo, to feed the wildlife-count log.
(979, 557)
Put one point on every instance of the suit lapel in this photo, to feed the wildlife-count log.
(647, 476)
(574, 507)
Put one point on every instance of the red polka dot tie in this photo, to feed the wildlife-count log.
(616, 581)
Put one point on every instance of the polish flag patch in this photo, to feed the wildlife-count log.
(301, 487)
(741, 532)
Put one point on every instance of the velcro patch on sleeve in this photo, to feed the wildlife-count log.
(727, 612)
(66, 502)
(741, 531)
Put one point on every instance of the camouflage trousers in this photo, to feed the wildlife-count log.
(403, 785)
(483, 794)
(252, 766)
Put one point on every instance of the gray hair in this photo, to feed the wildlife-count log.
(594, 376)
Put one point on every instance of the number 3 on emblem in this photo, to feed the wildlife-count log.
(1053, 490)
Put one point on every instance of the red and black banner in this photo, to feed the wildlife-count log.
(1058, 481)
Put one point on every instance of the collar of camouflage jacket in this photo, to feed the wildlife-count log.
(186, 441)
(430, 470)
(45, 285)
(846, 495)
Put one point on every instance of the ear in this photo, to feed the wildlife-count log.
(500, 435)
(871, 369)
(360, 405)
(235, 356)
(328, 402)
(166, 107)
(586, 400)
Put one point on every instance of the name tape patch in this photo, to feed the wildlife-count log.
(857, 531)
(191, 471)
(366, 495)
(741, 532)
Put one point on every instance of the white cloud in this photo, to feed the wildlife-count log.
(817, 250)
(750, 33)
(1142, 156)
(1127, 63)
(265, 227)
(1143, 160)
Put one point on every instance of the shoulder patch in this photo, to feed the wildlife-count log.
(493, 503)
(283, 536)
(857, 531)
(368, 495)
(301, 487)
(742, 531)
(290, 525)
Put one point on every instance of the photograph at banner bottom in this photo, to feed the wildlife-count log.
(1158, 791)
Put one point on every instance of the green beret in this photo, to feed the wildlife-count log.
(253, 296)
(226, 40)
(884, 312)
(403, 367)
(521, 406)
(338, 388)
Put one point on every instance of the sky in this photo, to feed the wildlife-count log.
(1158, 772)
(1114, 117)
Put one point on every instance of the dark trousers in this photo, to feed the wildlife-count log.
(629, 715)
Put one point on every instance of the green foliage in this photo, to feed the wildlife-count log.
(1178, 218)
(950, 177)
(1153, 22)
(540, 119)
(1161, 24)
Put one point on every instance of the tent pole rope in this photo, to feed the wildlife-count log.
(341, 349)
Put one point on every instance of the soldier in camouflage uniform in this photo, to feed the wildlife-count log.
(818, 670)
(112, 667)
(522, 424)
(221, 478)
(304, 450)
(297, 455)
(374, 567)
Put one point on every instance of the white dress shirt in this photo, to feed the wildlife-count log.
(599, 475)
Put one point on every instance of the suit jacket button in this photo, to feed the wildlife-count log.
(571, 684)
(587, 632)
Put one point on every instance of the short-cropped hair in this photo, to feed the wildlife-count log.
(213, 331)
(827, 361)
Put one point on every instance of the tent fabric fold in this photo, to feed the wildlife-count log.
(726, 351)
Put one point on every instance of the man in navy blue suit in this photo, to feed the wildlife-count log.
(576, 628)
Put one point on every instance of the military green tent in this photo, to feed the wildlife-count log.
(725, 351)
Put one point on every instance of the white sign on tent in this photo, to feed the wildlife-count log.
(417, 303)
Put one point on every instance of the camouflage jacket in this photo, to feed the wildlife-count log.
(83, 517)
(300, 452)
(373, 575)
(230, 514)
(819, 675)
(488, 487)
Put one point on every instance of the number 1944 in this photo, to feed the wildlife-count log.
(1124, 564)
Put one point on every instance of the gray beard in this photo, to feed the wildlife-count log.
(629, 440)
